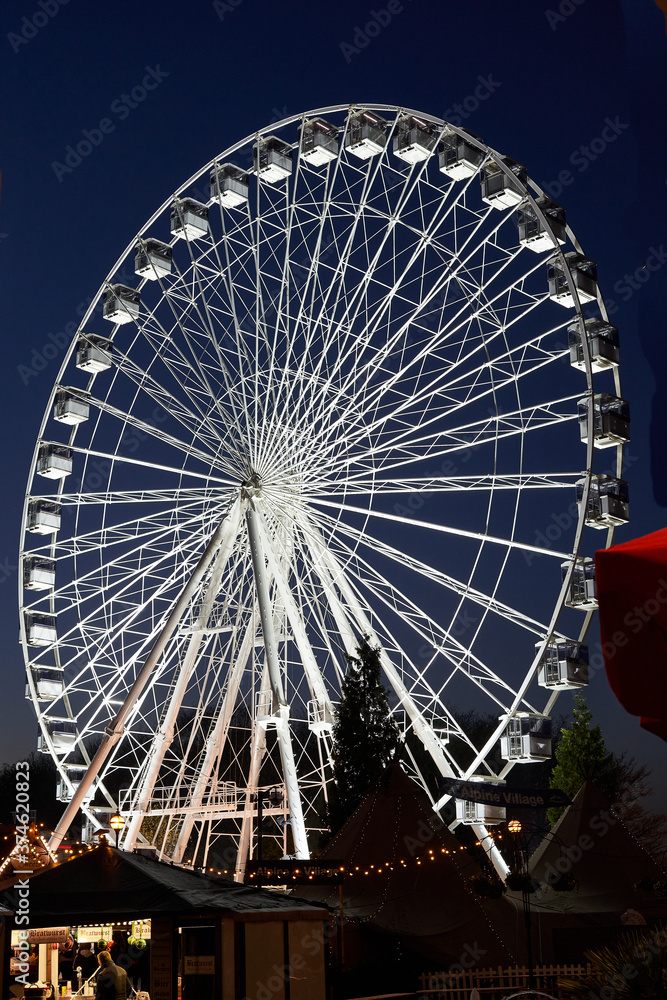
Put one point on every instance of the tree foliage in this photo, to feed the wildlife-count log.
(365, 736)
(582, 755)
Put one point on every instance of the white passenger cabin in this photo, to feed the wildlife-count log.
(71, 407)
(319, 142)
(608, 503)
(40, 629)
(487, 813)
(414, 140)
(65, 791)
(48, 683)
(229, 185)
(502, 190)
(62, 733)
(189, 219)
(540, 236)
(583, 592)
(602, 340)
(54, 461)
(44, 517)
(611, 420)
(366, 135)
(564, 665)
(527, 738)
(458, 158)
(121, 304)
(584, 274)
(272, 158)
(152, 259)
(93, 354)
(39, 573)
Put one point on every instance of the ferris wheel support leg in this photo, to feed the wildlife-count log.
(258, 750)
(114, 730)
(310, 665)
(165, 735)
(216, 740)
(273, 664)
(338, 580)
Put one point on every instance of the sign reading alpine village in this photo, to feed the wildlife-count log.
(295, 872)
(497, 793)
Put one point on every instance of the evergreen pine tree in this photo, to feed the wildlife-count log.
(582, 755)
(365, 736)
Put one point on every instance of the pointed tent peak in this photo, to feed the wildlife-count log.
(394, 819)
(591, 843)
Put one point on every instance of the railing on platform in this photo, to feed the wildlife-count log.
(496, 983)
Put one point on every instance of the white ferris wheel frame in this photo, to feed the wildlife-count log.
(346, 606)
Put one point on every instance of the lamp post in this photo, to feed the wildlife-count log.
(514, 828)
(117, 822)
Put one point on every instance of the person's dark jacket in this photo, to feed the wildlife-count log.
(111, 983)
(87, 963)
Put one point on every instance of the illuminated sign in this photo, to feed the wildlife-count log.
(295, 872)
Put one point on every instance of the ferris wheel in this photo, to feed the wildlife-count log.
(340, 385)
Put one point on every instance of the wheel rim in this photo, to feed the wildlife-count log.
(370, 341)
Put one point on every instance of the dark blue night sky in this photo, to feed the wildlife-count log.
(151, 91)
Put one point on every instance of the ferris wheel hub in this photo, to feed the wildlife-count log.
(251, 487)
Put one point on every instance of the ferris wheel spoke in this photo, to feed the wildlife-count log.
(461, 658)
(207, 322)
(195, 421)
(477, 535)
(443, 281)
(451, 484)
(157, 542)
(512, 365)
(450, 330)
(487, 601)
(358, 301)
(148, 429)
(101, 640)
(335, 322)
(473, 435)
(126, 460)
(186, 495)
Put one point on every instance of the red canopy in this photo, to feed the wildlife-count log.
(632, 594)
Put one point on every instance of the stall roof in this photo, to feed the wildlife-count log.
(105, 883)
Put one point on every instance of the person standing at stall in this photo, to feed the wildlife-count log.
(86, 961)
(66, 961)
(111, 980)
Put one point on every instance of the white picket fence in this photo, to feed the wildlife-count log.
(496, 983)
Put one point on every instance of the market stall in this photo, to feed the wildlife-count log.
(178, 933)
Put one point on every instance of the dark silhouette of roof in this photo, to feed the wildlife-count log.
(107, 883)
